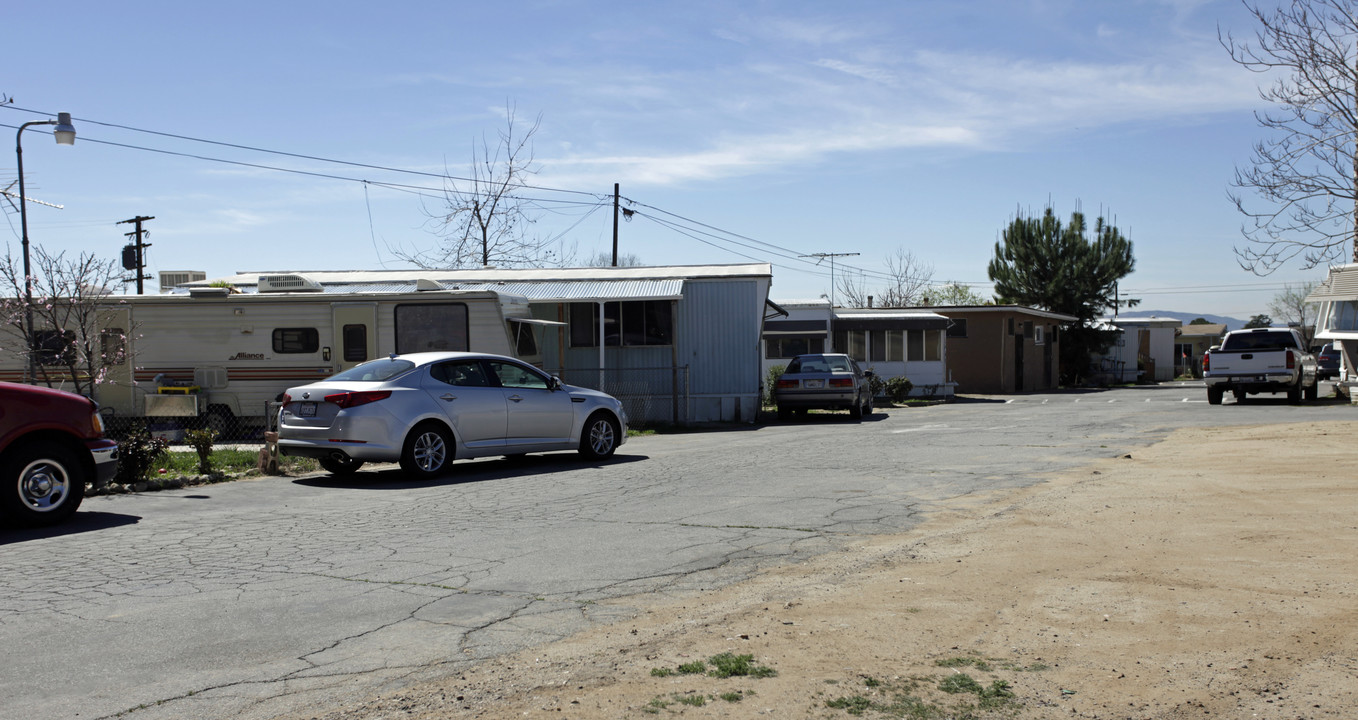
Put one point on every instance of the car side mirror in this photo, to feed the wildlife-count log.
(554, 384)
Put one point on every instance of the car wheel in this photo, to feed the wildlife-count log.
(856, 412)
(340, 466)
(784, 414)
(428, 451)
(867, 409)
(599, 437)
(44, 484)
(1214, 395)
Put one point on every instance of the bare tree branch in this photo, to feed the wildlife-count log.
(486, 221)
(1304, 178)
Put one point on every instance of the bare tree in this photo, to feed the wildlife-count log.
(604, 259)
(486, 220)
(952, 294)
(1290, 306)
(72, 310)
(906, 280)
(1306, 174)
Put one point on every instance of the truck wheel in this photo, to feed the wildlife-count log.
(1313, 392)
(1294, 394)
(1214, 395)
(43, 484)
(1240, 395)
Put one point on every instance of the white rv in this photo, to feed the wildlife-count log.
(219, 355)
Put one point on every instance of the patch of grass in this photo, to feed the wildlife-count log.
(732, 697)
(872, 682)
(697, 667)
(661, 672)
(967, 661)
(694, 700)
(959, 683)
(730, 665)
(854, 705)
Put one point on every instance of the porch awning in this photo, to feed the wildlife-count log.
(891, 321)
(795, 327)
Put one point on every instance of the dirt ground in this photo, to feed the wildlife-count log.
(1211, 575)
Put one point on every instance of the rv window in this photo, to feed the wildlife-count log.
(113, 346)
(430, 328)
(55, 347)
(296, 340)
(355, 343)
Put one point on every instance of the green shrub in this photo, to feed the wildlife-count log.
(137, 454)
(876, 385)
(898, 388)
(201, 442)
(771, 382)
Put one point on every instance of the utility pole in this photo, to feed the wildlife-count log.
(138, 255)
(615, 225)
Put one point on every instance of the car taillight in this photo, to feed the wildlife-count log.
(1206, 362)
(786, 383)
(354, 399)
(286, 398)
(1291, 360)
(841, 382)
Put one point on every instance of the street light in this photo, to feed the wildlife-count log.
(64, 132)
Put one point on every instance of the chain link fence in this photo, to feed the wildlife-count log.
(237, 431)
(653, 396)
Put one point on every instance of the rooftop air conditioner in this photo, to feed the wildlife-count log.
(172, 278)
(288, 283)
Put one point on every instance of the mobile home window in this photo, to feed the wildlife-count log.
(924, 345)
(630, 323)
(957, 328)
(778, 348)
(432, 327)
(296, 340)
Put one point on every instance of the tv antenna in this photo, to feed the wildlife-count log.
(12, 197)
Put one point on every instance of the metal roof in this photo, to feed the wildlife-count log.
(512, 275)
(1342, 284)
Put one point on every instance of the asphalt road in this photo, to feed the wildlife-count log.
(255, 598)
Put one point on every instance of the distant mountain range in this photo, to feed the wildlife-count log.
(1230, 322)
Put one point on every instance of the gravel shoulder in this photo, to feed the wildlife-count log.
(1209, 575)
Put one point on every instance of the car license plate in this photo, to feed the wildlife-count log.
(813, 383)
(307, 409)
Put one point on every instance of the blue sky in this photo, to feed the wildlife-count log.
(789, 127)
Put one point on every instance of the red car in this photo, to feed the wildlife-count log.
(51, 444)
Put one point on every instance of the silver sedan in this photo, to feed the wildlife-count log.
(425, 409)
(825, 381)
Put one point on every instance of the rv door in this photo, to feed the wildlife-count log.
(355, 336)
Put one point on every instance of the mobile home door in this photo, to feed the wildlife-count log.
(355, 335)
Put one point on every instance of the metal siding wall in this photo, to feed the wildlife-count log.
(718, 334)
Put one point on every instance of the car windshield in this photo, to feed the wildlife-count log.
(374, 371)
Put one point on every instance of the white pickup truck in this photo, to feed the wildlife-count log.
(1260, 360)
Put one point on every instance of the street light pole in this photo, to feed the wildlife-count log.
(65, 135)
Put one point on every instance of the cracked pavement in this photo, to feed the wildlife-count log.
(275, 595)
